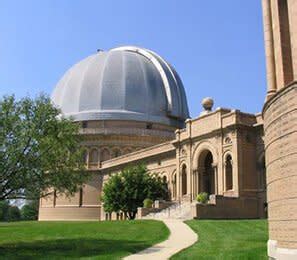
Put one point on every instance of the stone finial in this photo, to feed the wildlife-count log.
(207, 104)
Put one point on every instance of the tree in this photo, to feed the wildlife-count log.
(127, 190)
(39, 150)
(30, 210)
(14, 213)
(4, 206)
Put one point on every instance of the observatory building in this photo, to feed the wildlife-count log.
(132, 108)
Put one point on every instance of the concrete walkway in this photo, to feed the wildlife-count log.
(181, 236)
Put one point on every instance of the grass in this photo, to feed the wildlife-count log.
(227, 239)
(88, 240)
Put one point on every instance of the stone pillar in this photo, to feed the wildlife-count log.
(292, 10)
(215, 173)
(200, 174)
(278, 43)
(282, 43)
(178, 184)
(269, 48)
(88, 156)
(195, 183)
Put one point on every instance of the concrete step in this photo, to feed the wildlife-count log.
(176, 211)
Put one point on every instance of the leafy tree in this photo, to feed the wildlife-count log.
(30, 210)
(39, 150)
(4, 206)
(14, 213)
(127, 190)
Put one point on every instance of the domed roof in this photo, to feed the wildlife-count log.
(125, 83)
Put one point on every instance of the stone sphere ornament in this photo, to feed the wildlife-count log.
(207, 103)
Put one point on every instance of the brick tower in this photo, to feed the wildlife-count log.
(280, 126)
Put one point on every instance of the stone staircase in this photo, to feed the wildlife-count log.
(179, 210)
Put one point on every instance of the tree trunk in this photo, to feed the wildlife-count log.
(132, 215)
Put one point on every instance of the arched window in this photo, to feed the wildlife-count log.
(127, 150)
(85, 156)
(229, 172)
(184, 180)
(105, 154)
(117, 152)
(93, 156)
(164, 179)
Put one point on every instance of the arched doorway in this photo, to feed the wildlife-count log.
(206, 173)
(93, 157)
(184, 180)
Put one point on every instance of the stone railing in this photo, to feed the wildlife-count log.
(157, 207)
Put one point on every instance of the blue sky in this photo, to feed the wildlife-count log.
(216, 46)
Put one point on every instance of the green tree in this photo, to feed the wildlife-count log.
(30, 210)
(39, 150)
(4, 206)
(127, 190)
(14, 213)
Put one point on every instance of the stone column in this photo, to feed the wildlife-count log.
(292, 10)
(269, 48)
(281, 43)
(178, 185)
(88, 156)
(215, 173)
(200, 173)
(195, 182)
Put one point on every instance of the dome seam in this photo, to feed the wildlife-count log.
(92, 58)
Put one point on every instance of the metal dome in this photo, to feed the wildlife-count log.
(125, 83)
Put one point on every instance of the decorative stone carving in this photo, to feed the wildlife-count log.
(228, 140)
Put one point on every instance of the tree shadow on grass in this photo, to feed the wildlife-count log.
(71, 248)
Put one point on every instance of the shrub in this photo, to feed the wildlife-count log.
(147, 203)
(14, 213)
(202, 197)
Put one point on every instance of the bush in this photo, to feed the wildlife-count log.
(147, 203)
(4, 206)
(30, 211)
(202, 197)
(14, 213)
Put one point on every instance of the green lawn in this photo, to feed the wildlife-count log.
(89, 240)
(227, 239)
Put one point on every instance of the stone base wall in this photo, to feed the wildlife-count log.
(280, 126)
(227, 208)
(276, 252)
(69, 213)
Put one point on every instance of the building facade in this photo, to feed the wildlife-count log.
(280, 126)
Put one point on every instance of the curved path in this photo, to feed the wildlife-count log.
(181, 236)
